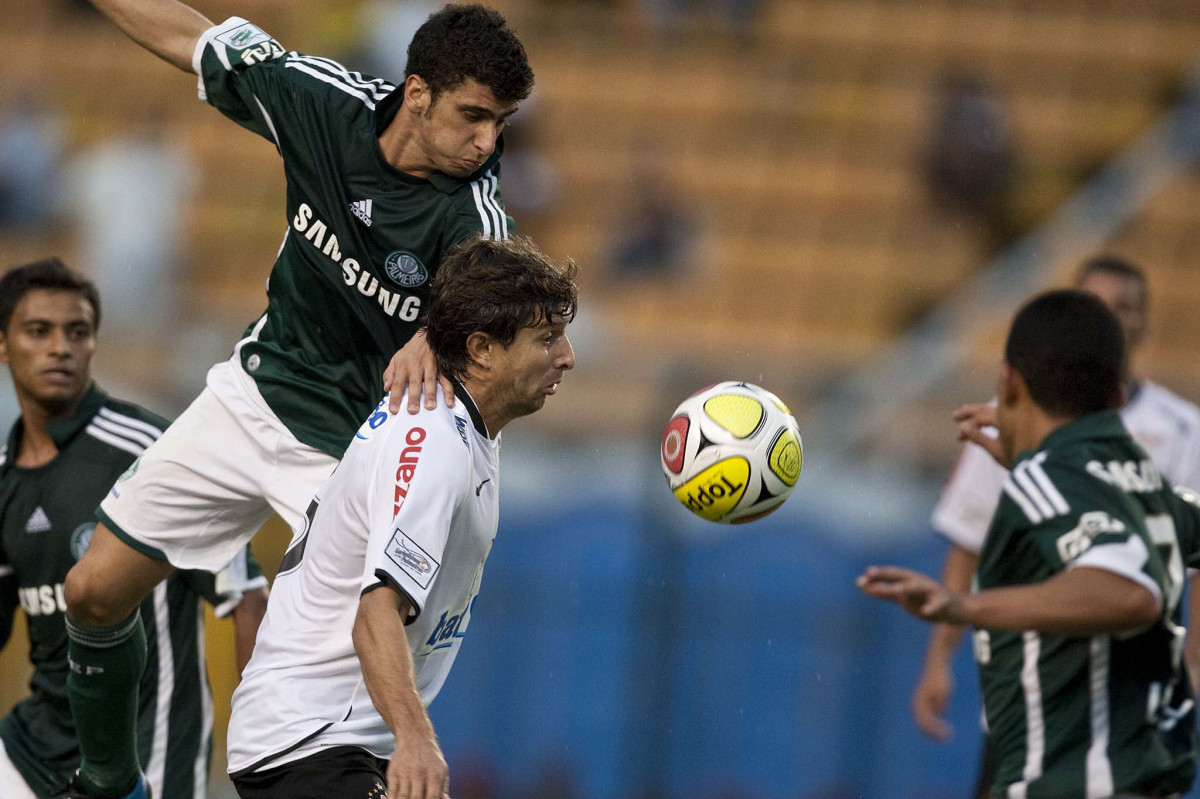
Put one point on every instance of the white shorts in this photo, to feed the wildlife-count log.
(12, 784)
(201, 492)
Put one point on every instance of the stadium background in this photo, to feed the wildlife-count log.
(779, 162)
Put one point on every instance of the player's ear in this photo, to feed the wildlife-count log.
(480, 347)
(417, 97)
(1012, 386)
(3, 348)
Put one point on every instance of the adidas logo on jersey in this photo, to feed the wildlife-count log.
(362, 209)
(39, 522)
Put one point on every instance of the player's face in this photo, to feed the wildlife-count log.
(460, 128)
(534, 364)
(49, 346)
(1124, 298)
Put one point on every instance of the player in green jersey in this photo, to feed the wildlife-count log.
(1079, 636)
(70, 444)
(383, 181)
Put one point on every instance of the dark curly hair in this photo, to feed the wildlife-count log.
(495, 287)
(1070, 349)
(470, 41)
(50, 274)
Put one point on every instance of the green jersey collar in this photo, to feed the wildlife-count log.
(61, 430)
(1103, 424)
(385, 112)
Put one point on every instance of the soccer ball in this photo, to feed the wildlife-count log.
(732, 453)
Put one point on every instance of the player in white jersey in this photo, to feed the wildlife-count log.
(374, 595)
(1167, 427)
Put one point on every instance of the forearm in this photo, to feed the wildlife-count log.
(247, 618)
(957, 574)
(387, 665)
(1078, 602)
(167, 28)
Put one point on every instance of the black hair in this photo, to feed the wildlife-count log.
(1119, 267)
(1070, 349)
(470, 41)
(495, 287)
(50, 274)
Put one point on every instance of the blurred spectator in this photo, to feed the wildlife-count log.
(388, 26)
(128, 196)
(969, 163)
(31, 143)
(667, 15)
(656, 238)
(530, 181)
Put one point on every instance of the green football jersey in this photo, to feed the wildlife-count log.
(46, 521)
(363, 239)
(1089, 716)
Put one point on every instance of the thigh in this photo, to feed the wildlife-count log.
(300, 470)
(343, 772)
(94, 597)
(12, 784)
(195, 497)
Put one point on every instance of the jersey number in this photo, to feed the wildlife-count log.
(295, 551)
(1160, 708)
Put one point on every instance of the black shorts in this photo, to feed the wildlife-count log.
(344, 772)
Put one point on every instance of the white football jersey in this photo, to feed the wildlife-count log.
(1166, 425)
(413, 506)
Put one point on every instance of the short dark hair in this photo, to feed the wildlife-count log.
(1118, 266)
(50, 274)
(470, 41)
(495, 287)
(1070, 349)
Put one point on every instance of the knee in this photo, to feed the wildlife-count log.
(92, 600)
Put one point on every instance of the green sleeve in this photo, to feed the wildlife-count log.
(1089, 523)
(240, 70)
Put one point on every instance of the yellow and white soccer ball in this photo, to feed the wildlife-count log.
(732, 453)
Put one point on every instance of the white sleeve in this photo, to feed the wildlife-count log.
(965, 509)
(1126, 559)
(1189, 461)
(421, 475)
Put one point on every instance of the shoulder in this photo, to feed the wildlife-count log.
(1165, 402)
(1030, 487)
(430, 441)
(478, 209)
(344, 89)
(1060, 482)
(126, 426)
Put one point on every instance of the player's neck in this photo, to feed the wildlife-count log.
(1034, 427)
(488, 404)
(37, 447)
(401, 147)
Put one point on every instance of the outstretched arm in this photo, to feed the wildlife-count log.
(1077, 602)
(167, 28)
